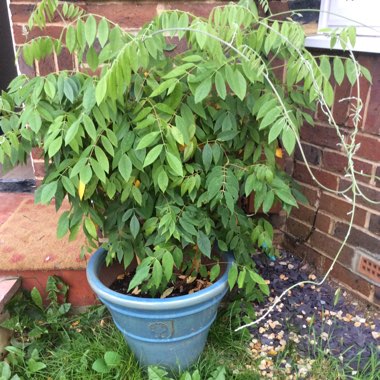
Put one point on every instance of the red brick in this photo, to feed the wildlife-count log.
(348, 278)
(325, 178)
(37, 153)
(312, 154)
(80, 293)
(374, 224)
(340, 109)
(370, 192)
(323, 242)
(47, 65)
(337, 162)
(127, 14)
(357, 238)
(50, 30)
(372, 122)
(21, 12)
(65, 60)
(369, 147)
(340, 208)
(39, 169)
(197, 8)
(304, 252)
(321, 136)
(307, 214)
(311, 193)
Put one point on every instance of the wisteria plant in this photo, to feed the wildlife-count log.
(154, 145)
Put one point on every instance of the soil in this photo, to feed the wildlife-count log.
(182, 286)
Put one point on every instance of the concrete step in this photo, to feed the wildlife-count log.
(30, 249)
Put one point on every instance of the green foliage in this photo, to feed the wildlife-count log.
(156, 149)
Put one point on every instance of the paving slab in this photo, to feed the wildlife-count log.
(8, 288)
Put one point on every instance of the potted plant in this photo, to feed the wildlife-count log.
(154, 145)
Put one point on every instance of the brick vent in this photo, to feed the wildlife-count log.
(369, 269)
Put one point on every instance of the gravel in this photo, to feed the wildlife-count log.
(310, 317)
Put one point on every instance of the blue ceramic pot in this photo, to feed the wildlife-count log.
(168, 332)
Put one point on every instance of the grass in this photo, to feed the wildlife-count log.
(51, 344)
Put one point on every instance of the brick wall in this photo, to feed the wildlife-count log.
(320, 145)
(328, 163)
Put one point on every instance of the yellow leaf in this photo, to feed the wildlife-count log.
(81, 189)
(279, 153)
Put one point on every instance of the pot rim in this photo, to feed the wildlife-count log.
(188, 300)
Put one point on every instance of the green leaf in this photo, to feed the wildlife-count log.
(90, 30)
(34, 366)
(157, 273)
(63, 224)
(163, 86)
(338, 70)
(350, 71)
(92, 58)
(232, 276)
(214, 272)
(72, 131)
(90, 227)
(70, 38)
(112, 359)
(89, 127)
(202, 90)
(125, 167)
(276, 130)
(54, 146)
(152, 155)
(147, 140)
(48, 192)
(207, 156)
(68, 185)
(102, 159)
(168, 263)
(98, 170)
(328, 93)
(174, 163)
(100, 366)
(204, 243)
(288, 140)
(142, 273)
(36, 297)
(286, 197)
(163, 180)
(270, 117)
(220, 85)
(34, 121)
(101, 90)
(134, 226)
(268, 201)
(256, 278)
(89, 98)
(219, 374)
(85, 174)
(103, 31)
(236, 81)
(68, 90)
(157, 373)
(325, 67)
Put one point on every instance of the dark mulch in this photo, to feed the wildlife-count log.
(308, 316)
(182, 286)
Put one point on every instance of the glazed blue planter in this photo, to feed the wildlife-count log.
(168, 332)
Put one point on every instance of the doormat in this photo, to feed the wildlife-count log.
(28, 240)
